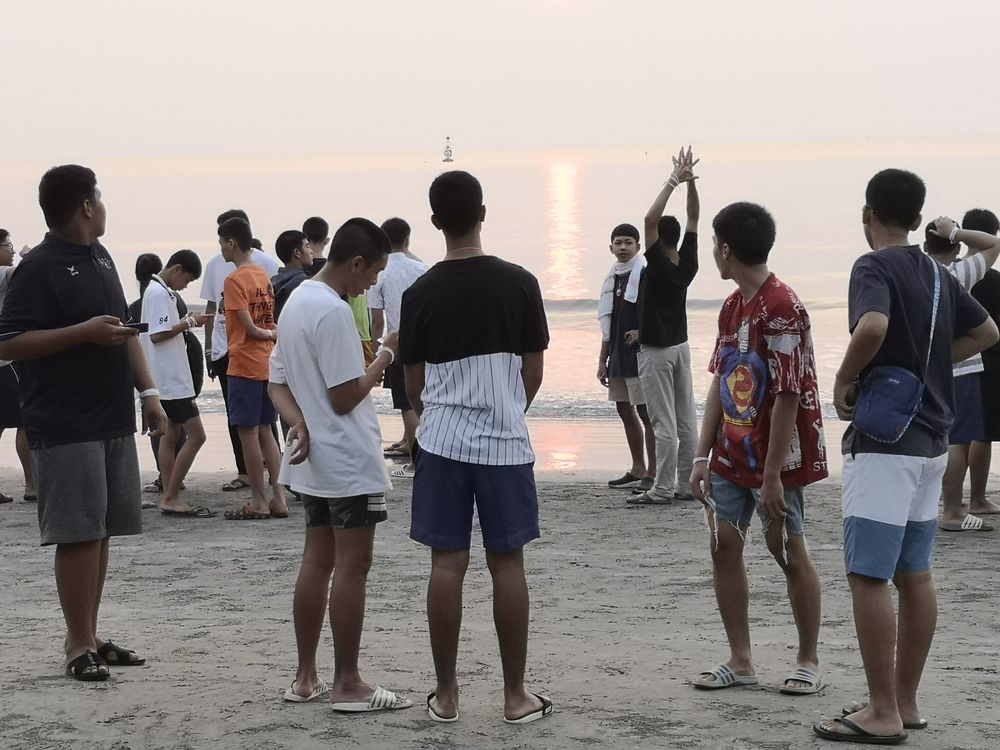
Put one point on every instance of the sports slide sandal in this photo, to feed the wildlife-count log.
(723, 677)
(381, 700)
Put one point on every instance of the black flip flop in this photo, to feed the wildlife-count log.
(200, 512)
(848, 710)
(860, 736)
(119, 656)
(88, 667)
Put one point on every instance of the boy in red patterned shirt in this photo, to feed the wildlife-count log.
(761, 443)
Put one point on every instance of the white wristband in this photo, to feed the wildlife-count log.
(149, 392)
(701, 460)
(386, 350)
(954, 233)
(673, 181)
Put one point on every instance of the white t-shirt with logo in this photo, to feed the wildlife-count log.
(168, 361)
(318, 348)
(212, 284)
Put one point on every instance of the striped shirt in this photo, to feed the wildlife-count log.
(969, 271)
(469, 322)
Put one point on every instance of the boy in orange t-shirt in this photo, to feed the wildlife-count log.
(248, 304)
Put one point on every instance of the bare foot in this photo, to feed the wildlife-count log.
(984, 508)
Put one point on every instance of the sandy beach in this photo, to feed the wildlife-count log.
(623, 617)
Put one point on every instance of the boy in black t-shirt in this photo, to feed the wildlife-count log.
(472, 336)
(617, 364)
(81, 365)
(664, 355)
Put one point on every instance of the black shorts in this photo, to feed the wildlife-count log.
(358, 512)
(10, 398)
(180, 410)
(397, 383)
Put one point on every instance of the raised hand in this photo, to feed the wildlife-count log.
(943, 227)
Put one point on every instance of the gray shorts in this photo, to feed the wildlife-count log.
(88, 491)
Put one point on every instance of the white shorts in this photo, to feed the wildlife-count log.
(890, 513)
(626, 389)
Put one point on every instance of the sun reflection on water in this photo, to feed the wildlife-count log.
(563, 276)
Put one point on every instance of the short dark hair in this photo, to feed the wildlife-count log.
(4, 234)
(625, 230)
(256, 244)
(936, 245)
(233, 213)
(145, 266)
(896, 197)
(63, 190)
(359, 237)
(287, 243)
(397, 229)
(188, 260)
(316, 229)
(238, 230)
(668, 229)
(748, 230)
(981, 220)
(456, 201)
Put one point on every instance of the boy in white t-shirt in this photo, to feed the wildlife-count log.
(166, 353)
(321, 388)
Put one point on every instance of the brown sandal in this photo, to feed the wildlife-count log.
(246, 514)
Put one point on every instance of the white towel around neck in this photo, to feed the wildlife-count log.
(606, 304)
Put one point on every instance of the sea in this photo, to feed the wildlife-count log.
(550, 211)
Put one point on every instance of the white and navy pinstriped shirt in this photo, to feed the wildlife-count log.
(469, 321)
(969, 271)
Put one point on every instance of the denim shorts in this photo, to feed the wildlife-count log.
(249, 404)
(737, 504)
(445, 492)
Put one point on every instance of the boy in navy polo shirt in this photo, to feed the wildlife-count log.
(891, 490)
(81, 365)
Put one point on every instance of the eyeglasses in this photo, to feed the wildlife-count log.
(7, 244)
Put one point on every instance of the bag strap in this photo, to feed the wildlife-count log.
(934, 311)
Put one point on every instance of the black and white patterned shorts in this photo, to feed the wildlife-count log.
(358, 512)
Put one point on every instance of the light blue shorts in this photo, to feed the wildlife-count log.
(737, 504)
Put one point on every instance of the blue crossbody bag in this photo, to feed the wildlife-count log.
(889, 397)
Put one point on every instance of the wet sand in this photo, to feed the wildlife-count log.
(623, 617)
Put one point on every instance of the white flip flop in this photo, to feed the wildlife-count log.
(540, 713)
(381, 700)
(435, 716)
(292, 697)
(814, 682)
(723, 677)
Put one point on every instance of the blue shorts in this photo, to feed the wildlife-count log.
(444, 492)
(890, 513)
(969, 424)
(737, 504)
(249, 404)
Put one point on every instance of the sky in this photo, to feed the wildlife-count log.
(217, 78)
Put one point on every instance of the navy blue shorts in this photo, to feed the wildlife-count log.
(249, 404)
(969, 425)
(444, 492)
